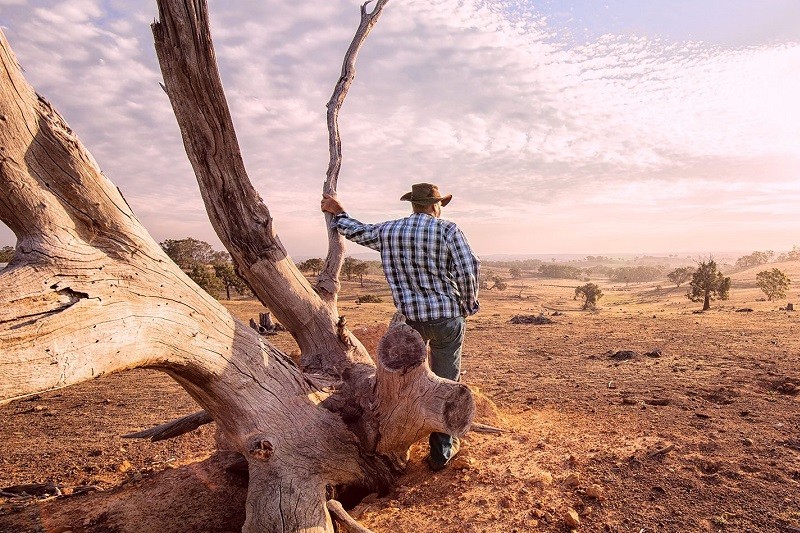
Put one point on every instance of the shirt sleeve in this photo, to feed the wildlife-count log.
(467, 272)
(351, 229)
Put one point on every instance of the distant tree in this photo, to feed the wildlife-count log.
(189, 252)
(559, 271)
(498, 283)
(515, 272)
(774, 283)
(600, 270)
(483, 283)
(755, 259)
(590, 294)
(637, 274)
(205, 277)
(6, 254)
(359, 269)
(313, 265)
(229, 279)
(348, 268)
(708, 284)
(793, 255)
(681, 275)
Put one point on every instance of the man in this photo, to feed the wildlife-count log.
(433, 275)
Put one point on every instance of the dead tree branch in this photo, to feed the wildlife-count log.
(328, 280)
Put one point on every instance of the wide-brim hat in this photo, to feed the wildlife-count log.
(425, 194)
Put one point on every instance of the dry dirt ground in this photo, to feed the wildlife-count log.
(698, 429)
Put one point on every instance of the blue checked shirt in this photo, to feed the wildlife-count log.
(428, 263)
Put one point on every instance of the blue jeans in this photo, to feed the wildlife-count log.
(446, 338)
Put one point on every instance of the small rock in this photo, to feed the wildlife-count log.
(595, 491)
(747, 442)
(623, 355)
(463, 462)
(544, 478)
(124, 467)
(571, 518)
(572, 480)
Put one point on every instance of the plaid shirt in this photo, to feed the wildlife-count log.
(428, 263)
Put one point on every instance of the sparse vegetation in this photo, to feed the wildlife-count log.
(229, 279)
(212, 270)
(708, 284)
(792, 255)
(590, 294)
(205, 277)
(714, 368)
(6, 254)
(774, 283)
(313, 265)
(189, 252)
(636, 274)
(755, 259)
(499, 283)
(369, 299)
(359, 270)
(558, 271)
(681, 275)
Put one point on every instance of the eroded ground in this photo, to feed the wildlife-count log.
(698, 431)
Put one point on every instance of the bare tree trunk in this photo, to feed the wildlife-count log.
(239, 216)
(90, 292)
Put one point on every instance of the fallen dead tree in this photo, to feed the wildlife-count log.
(90, 292)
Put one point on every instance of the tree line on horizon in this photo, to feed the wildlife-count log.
(215, 273)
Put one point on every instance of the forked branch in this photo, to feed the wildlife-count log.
(239, 216)
(328, 280)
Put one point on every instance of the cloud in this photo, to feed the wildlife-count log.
(486, 98)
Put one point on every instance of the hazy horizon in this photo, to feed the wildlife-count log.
(558, 126)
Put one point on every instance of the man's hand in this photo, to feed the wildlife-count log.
(331, 205)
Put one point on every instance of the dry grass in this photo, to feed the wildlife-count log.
(704, 437)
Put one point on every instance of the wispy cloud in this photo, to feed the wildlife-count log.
(529, 130)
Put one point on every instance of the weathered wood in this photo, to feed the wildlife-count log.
(349, 522)
(485, 428)
(328, 285)
(90, 292)
(265, 321)
(410, 400)
(173, 429)
(237, 213)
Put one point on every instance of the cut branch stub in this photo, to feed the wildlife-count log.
(410, 400)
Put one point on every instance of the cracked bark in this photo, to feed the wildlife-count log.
(90, 292)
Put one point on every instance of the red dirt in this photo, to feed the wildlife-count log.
(704, 437)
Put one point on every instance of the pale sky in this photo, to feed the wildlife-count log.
(560, 126)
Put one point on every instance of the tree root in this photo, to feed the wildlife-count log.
(174, 428)
(344, 518)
